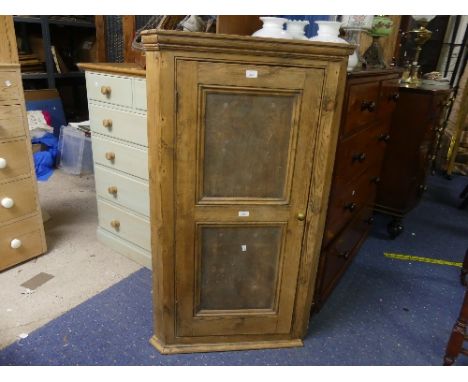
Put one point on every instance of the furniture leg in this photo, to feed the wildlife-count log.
(464, 270)
(458, 336)
(464, 196)
(395, 227)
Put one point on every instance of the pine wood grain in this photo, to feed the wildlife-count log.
(177, 73)
(8, 48)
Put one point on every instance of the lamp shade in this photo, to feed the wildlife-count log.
(357, 22)
(426, 18)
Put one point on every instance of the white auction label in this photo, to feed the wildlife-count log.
(244, 213)
(251, 73)
(244, 248)
(8, 83)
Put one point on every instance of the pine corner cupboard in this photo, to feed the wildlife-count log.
(242, 134)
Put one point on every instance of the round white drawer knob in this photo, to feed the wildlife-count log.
(3, 163)
(16, 243)
(7, 202)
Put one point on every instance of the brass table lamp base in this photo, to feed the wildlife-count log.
(374, 56)
(421, 36)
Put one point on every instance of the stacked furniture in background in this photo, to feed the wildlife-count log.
(21, 227)
(370, 99)
(416, 128)
(117, 112)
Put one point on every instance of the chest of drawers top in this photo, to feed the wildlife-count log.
(116, 85)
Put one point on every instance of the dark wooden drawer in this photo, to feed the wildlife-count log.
(359, 152)
(361, 107)
(389, 95)
(345, 203)
(339, 253)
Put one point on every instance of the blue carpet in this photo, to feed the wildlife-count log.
(383, 312)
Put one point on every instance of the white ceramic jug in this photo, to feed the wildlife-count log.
(328, 32)
(272, 27)
(296, 29)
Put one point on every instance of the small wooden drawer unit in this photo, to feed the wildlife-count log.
(416, 129)
(370, 99)
(21, 228)
(117, 113)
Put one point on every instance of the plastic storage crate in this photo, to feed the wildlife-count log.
(75, 154)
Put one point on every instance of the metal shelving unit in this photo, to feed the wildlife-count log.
(45, 21)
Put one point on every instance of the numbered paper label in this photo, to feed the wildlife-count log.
(251, 73)
(244, 213)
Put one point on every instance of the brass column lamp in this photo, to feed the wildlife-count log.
(421, 36)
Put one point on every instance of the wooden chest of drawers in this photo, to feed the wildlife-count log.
(21, 228)
(416, 126)
(117, 112)
(369, 103)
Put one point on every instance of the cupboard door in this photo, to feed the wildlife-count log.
(242, 185)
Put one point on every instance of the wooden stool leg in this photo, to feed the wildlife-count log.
(464, 196)
(464, 270)
(455, 343)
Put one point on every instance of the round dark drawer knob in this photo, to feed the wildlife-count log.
(394, 97)
(422, 187)
(345, 254)
(359, 157)
(376, 180)
(370, 220)
(351, 206)
(384, 137)
(368, 105)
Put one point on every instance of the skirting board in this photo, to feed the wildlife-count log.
(133, 252)
(212, 347)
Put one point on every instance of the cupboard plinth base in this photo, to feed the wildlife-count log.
(232, 346)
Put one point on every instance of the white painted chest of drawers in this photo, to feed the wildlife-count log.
(117, 113)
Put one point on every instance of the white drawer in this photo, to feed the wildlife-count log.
(122, 189)
(124, 224)
(119, 124)
(139, 94)
(129, 159)
(110, 89)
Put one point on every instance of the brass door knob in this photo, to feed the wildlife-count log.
(112, 190)
(106, 90)
(115, 224)
(110, 156)
(107, 123)
(300, 216)
(449, 101)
